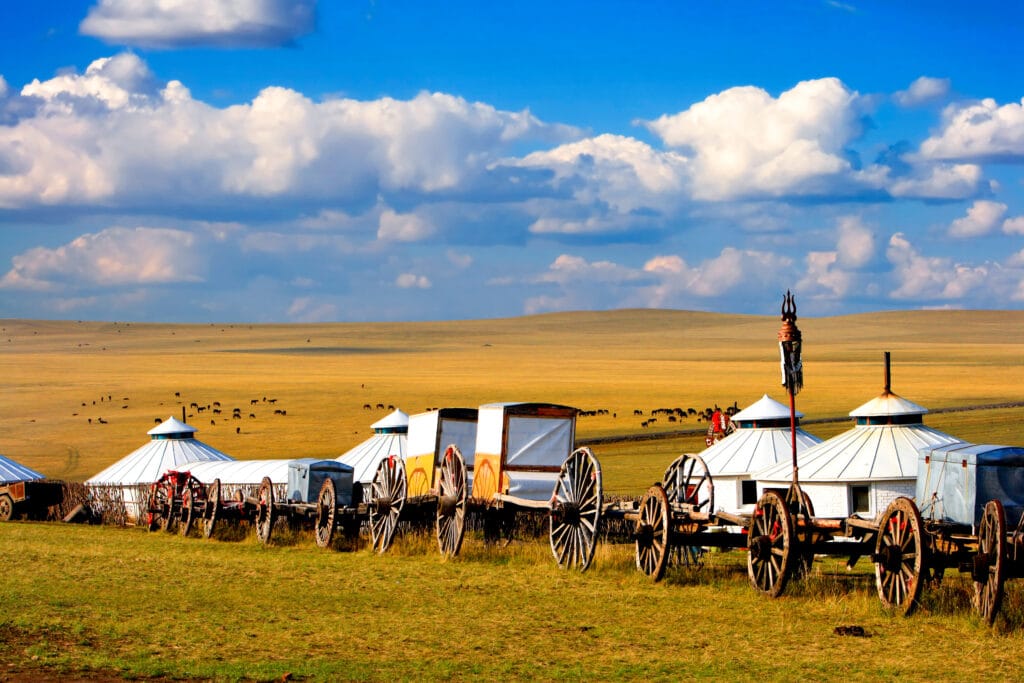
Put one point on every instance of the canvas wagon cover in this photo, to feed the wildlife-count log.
(520, 448)
(11, 471)
(955, 482)
(430, 433)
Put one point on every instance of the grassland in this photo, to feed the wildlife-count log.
(106, 602)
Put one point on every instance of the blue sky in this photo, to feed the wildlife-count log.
(294, 161)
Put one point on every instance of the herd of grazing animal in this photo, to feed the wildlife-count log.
(213, 408)
(670, 414)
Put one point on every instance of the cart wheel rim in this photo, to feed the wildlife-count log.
(265, 510)
(187, 512)
(387, 496)
(989, 564)
(576, 510)
(900, 556)
(325, 512)
(212, 509)
(770, 545)
(688, 481)
(652, 533)
(450, 518)
(6, 508)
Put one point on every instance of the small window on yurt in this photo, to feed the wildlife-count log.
(861, 498)
(748, 492)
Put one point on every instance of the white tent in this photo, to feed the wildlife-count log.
(11, 471)
(172, 445)
(762, 439)
(865, 468)
(430, 433)
(390, 435)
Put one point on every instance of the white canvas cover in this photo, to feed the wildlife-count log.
(390, 438)
(171, 446)
(538, 441)
(238, 472)
(12, 471)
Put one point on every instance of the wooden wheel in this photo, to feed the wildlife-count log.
(989, 571)
(155, 506)
(770, 545)
(651, 533)
(326, 505)
(212, 512)
(576, 510)
(167, 519)
(387, 496)
(6, 508)
(688, 482)
(188, 510)
(450, 519)
(265, 513)
(802, 509)
(900, 556)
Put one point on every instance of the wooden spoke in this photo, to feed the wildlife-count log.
(167, 516)
(990, 565)
(900, 556)
(770, 540)
(211, 514)
(387, 496)
(188, 511)
(688, 482)
(6, 508)
(326, 507)
(802, 509)
(265, 512)
(576, 510)
(651, 533)
(450, 519)
(156, 505)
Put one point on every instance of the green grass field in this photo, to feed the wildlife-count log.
(106, 602)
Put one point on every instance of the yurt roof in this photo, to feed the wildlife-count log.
(240, 471)
(888, 404)
(864, 453)
(751, 449)
(149, 462)
(765, 408)
(395, 421)
(14, 471)
(365, 457)
(172, 425)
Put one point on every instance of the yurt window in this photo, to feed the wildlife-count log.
(748, 492)
(861, 498)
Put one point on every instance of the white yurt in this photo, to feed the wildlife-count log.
(243, 476)
(865, 468)
(762, 438)
(172, 444)
(12, 471)
(390, 437)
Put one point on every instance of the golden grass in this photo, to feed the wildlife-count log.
(621, 361)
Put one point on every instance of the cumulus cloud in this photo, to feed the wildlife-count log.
(212, 23)
(396, 227)
(113, 135)
(305, 309)
(922, 91)
(834, 274)
(979, 131)
(1014, 226)
(938, 181)
(413, 281)
(931, 277)
(982, 217)
(112, 257)
(724, 275)
(745, 142)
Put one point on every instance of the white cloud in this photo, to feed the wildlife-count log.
(726, 274)
(306, 309)
(458, 259)
(978, 131)
(925, 89)
(982, 217)
(931, 277)
(413, 281)
(745, 142)
(113, 257)
(1014, 226)
(568, 269)
(404, 227)
(856, 243)
(939, 181)
(113, 135)
(219, 23)
(833, 274)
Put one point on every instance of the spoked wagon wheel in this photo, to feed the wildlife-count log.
(265, 513)
(387, 496)
(651, 533)
(799, 504)
(167, 520)
(989, 571)
(770, 545)
(212, 511)
(188, 510)
(6, 508)
(576, 510)
(156, 505)
(450, 520)
(688, 481)
(326, 505)
(899, 556)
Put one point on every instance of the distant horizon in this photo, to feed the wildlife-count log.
(304, 161)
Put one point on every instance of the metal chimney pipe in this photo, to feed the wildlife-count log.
(888, 374)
